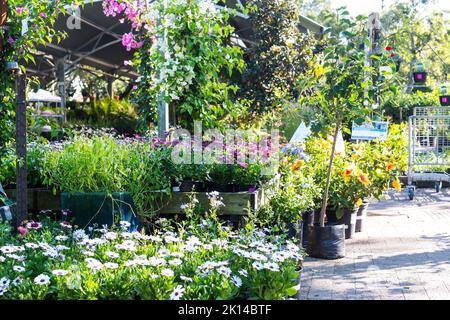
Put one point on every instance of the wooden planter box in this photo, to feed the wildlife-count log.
(236, 203)
(39, 199)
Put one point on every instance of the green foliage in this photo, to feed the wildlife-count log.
(280, 54)
(41, 17)
(107, 113)
(106, 164)
(35, 155)
(403, 104)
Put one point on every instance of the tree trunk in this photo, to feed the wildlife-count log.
(330, 168)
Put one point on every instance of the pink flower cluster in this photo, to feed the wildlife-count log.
(129, 42)
(132, 10)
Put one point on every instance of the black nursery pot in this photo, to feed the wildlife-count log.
(445, 100)
(420, 77)
(361, 216)
(222, 187)
(188, 186)
(246, 187)
(326, 242)
(309, 219)
(349, 220)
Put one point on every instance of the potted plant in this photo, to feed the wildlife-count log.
(340, 79)
(192, 177)
(221, 177)
(104, 180)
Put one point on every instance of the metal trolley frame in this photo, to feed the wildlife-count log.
(429, 146)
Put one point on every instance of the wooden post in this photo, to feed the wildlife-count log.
(3, 15)
(21, 149)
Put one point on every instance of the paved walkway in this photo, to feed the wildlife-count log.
(404, 253)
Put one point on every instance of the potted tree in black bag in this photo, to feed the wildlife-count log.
(341, 83)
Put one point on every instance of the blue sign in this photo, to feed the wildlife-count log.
(370, 130)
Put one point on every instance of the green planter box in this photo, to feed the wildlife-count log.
(236, 203)
(39, 199)
(100, 208)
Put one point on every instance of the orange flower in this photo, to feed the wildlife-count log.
(390, 166)
(363, 179)
(397, 185)
(297, 164)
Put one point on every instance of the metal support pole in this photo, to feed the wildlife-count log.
(61, 80)
(110, 88)
(21, 149)
(163, 106)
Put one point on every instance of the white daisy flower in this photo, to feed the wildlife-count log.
(18, 268)
(237, 281)
(112, 255)
(42, 279)
(111, 265)
(175, 262)
(177, 293)
(60, 272)
(167, 272)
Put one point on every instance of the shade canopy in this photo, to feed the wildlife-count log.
(95, 40)
(43, 96)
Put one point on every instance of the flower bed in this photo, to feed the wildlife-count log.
(198, 260)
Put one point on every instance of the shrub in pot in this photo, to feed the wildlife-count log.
(292, 198)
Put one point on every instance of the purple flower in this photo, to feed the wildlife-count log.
(42, 14)
(19, 10)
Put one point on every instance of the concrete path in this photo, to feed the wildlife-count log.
(404, 253)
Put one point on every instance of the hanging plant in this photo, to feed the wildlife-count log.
(184, 56)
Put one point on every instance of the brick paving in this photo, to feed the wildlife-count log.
(403, 253)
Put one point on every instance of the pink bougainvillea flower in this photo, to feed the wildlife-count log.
(42, 14)
(19, 10)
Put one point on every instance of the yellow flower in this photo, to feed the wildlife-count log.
(359, 202)
(297, 164)
(390, 166)
(397, 185)
(363, 179)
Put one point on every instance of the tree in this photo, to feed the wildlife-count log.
(279, 55)
(341, 81)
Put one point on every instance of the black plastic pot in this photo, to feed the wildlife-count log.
(188, 186)
(309, 218)
(349, 220)
(246, 187)
(88, 209)
(420, 77)
(295, 231)
(222, 187)
(445, 100)
(326, 242)
(361, 216)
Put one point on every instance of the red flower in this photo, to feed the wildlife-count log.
(392, 55)
(388, 48)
